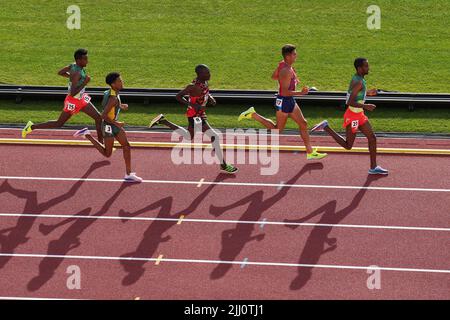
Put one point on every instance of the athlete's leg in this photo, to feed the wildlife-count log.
(122, 138)
(100, 147)
(298, 117)
(92, 112)
(52, 124)
(209, 131)
(268, 123)
(367, 130)
(345, 143)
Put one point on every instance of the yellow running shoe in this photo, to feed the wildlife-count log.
(247, 114)
(27, 129)
(315, 155)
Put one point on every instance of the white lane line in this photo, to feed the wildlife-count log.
(36, 298)
(195, 261)
(242, 184)
(260, 223)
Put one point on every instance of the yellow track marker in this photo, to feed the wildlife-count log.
(200, 182)
(228, 146)
(158, 260)
(180, 219)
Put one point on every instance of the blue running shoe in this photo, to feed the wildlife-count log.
(378, 170)
(320, 126)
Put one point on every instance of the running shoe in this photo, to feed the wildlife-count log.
(156, 120)
(132, 177)
(378, 170)
(82, 132)
(27, 129)
(229, 169)
(320, 126)
(315, 155)
(247, 114)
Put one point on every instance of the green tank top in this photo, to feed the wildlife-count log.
(114, 112)
(76, 68)
(361, 97)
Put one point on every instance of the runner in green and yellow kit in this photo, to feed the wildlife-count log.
(354, 117)
(111, 127)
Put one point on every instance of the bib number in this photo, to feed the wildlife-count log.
(355, 123)
(70, 106)
(197, 120)
(86, 98)
(279, 102)
(108, 129)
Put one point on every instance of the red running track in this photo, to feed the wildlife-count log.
(328, 236)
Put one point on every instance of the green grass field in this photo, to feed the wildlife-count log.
(225, 116)
(157, 43)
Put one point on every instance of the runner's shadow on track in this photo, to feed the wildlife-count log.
(11, 238)
(234, 240)
(154, 235)
(69, 240)
(319, 242)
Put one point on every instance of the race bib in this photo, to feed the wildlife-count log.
(355, 123)
(108, 129)
(279, 102)
(86, 98)
(70, 106)
(197, 120)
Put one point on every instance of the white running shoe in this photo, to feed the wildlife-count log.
(82, 132)
(132, 177)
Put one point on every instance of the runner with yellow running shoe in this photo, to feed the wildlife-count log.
(285, 103)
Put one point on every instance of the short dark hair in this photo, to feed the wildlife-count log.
(287, 49)
(201, 67)
(111, 77)
(359, 62)
(80, 53)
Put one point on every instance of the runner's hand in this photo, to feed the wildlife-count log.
(211, 101)
(370, 107)
(124, 106)
(88, 78)
(372, 92)
(305, 90)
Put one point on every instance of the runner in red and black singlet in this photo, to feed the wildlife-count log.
(198, 98)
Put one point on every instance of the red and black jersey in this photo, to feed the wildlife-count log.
(202, 100)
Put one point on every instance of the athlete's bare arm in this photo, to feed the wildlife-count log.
(64, 72)
(275, 74)
(112, 101)
(285, 80)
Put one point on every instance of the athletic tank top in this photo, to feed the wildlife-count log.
(76, 68)
(294, 78)
(361, 97)
(113, 114)
(202, 99)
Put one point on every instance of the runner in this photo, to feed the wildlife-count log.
(354, 117)
(111, 127)
(199, 98)
(76, 100)
(285, 103)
